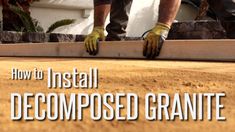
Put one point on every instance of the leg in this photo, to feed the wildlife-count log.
(119, 16)
(229, 22)
(225, 11)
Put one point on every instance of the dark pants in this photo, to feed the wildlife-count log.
(225, 12)
(119, 16)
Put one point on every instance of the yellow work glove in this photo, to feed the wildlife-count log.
(154, 40)
(92, 40)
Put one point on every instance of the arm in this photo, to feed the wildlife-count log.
(101, 11)
(168, 10)
(156, 37)
(100, 14)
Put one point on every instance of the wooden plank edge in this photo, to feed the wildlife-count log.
(205, 50)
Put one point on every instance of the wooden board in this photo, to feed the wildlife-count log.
(205, 50)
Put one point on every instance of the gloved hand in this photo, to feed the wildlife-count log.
(92, 40)
(154, 40)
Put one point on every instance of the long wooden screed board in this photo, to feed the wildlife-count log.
(204, 50)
